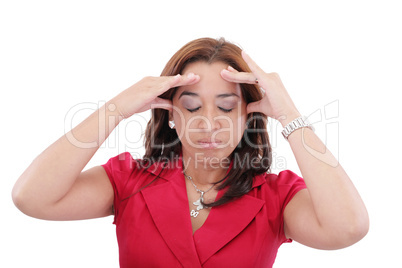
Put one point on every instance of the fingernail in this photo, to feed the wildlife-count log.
(231, 68)
(190, 75)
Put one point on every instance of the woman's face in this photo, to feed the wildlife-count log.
(210, 116)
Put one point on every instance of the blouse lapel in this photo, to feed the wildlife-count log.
(224, 223)
(168, 205)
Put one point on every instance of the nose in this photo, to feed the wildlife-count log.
(209, 120)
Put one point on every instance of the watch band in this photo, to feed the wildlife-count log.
(299, 122)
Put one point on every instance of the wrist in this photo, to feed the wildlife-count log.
(299, 122)
(111, 110)
(286, 119)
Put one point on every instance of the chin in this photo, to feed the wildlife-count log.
(212, 156)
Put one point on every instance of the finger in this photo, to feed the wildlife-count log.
(254, 107)
(188, 79)
(164, 83)
(238, 77)
(159, 103)
(255, 69)
(167, 82)
(231, 69)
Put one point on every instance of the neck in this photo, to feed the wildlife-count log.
(204, 172)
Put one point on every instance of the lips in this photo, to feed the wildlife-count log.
(209, 143)
(209, 140)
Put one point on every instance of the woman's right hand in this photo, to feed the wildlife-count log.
(54, 187)
(143, 95)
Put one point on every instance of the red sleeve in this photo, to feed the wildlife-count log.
(119, 169)
(287, 184)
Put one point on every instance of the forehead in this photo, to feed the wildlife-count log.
(211, 82)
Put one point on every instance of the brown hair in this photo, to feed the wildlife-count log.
(158, 133)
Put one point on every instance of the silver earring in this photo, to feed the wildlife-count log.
(171, 124)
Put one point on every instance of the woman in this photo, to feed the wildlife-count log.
(202, 196)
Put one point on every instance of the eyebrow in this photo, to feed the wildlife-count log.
(225, 95)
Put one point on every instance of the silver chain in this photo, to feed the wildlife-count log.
(194, 213)
(195, 186)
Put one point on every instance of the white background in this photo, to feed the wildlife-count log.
(343, 54)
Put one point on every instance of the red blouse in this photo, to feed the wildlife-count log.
(153, 223)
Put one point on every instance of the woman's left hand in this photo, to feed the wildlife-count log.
(276, 102)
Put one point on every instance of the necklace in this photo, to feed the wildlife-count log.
(198, 202)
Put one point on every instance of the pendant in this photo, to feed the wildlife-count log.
(199, 204)
(194, 213)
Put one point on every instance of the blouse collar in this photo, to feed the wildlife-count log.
(173, 169)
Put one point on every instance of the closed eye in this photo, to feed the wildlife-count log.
(193, 110)
(223, 109)
(226, 110)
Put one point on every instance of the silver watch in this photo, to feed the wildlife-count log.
(296, 124)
